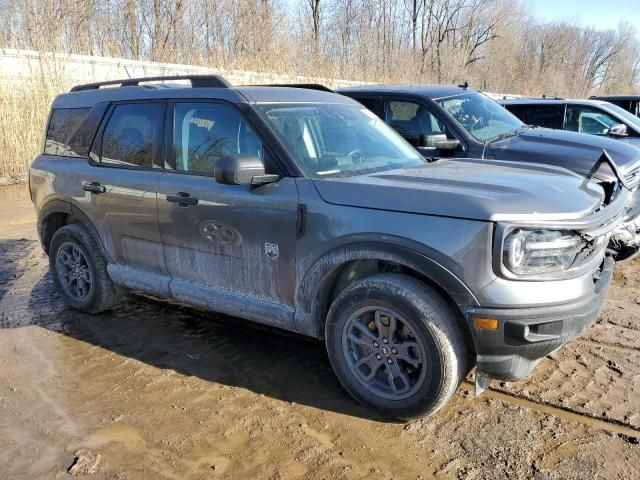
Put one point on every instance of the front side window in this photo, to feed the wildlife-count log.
(482, 117)
(206, 132)
(339, 139)
(131, 135)
(411, 120)
(583, 119)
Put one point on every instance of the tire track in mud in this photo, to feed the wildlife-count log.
(611, 426)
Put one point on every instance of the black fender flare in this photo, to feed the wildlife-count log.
(68, 208)
(308, 295)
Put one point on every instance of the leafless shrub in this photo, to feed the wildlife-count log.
(494, 44)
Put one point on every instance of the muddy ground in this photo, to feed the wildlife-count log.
(158, 391)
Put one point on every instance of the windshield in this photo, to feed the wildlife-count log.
(338, 140)
(627, 116)
(483, 118)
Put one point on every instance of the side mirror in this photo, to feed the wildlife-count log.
(430, 141)
(242, 170)
(618, 130)
(448, 145)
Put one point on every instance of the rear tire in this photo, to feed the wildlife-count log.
(79, 271)
(395, 345)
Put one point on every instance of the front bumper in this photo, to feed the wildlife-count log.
(526, 335)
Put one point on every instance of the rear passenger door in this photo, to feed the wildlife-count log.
(120, 184)
(223, 243)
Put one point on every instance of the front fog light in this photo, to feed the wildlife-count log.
(529, 252)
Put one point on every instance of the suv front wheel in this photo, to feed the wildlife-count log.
(395, 345)
(79, 271)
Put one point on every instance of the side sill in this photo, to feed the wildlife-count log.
(139, 280)
(260, 311)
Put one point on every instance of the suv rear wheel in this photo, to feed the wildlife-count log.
(395, 345)
(79, 271)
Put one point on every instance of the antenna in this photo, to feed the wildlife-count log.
(127, 71)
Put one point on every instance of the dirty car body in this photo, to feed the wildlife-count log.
(302, 210)
(476, 128)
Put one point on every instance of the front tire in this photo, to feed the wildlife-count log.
(79, 271)
(395, 345)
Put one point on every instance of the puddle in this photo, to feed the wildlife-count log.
(126, 435)
(323, 438)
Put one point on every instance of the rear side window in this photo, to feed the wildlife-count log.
(131, 134)
(62, 126)
(548, 116)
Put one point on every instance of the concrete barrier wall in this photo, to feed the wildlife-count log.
(17, 65)
(68, 70)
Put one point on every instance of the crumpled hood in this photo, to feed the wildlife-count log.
(488, 190)
(576, 151)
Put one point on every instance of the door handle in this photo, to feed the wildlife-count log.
(93, 187)
(183, 199)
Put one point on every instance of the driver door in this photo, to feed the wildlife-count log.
(226, 247)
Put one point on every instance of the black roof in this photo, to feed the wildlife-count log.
(429, 91)
(84, 98)
(549, 101)
(615, 97)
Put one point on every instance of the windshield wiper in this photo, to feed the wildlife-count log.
(513, 133)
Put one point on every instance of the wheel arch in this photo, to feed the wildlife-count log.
(58, 213)
(340, 267)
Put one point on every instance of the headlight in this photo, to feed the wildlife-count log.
(530, 252)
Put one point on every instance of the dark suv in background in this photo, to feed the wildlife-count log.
(631, 103)
(443, 121)
(595, 117)
(302, 210)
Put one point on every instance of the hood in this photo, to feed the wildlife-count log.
(488, 190)
(576, 151)
(633, 141)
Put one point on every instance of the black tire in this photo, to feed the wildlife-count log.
(429, 332)
(101, 293)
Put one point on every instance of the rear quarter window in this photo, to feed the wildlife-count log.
(71, 131)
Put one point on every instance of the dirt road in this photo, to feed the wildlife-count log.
(158, 391)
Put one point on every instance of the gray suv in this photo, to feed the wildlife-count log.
(301, 209)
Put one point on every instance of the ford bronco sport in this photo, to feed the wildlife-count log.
(441, 120)
(301, 209)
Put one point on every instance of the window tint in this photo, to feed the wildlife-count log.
(585, 119)
(549, 116)
(131, 134)
(369, 103)
(410, 119)
(206, 132)
(62, 125)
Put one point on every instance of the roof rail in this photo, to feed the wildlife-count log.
(551, 97)
(310, 86)
(197, 81)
